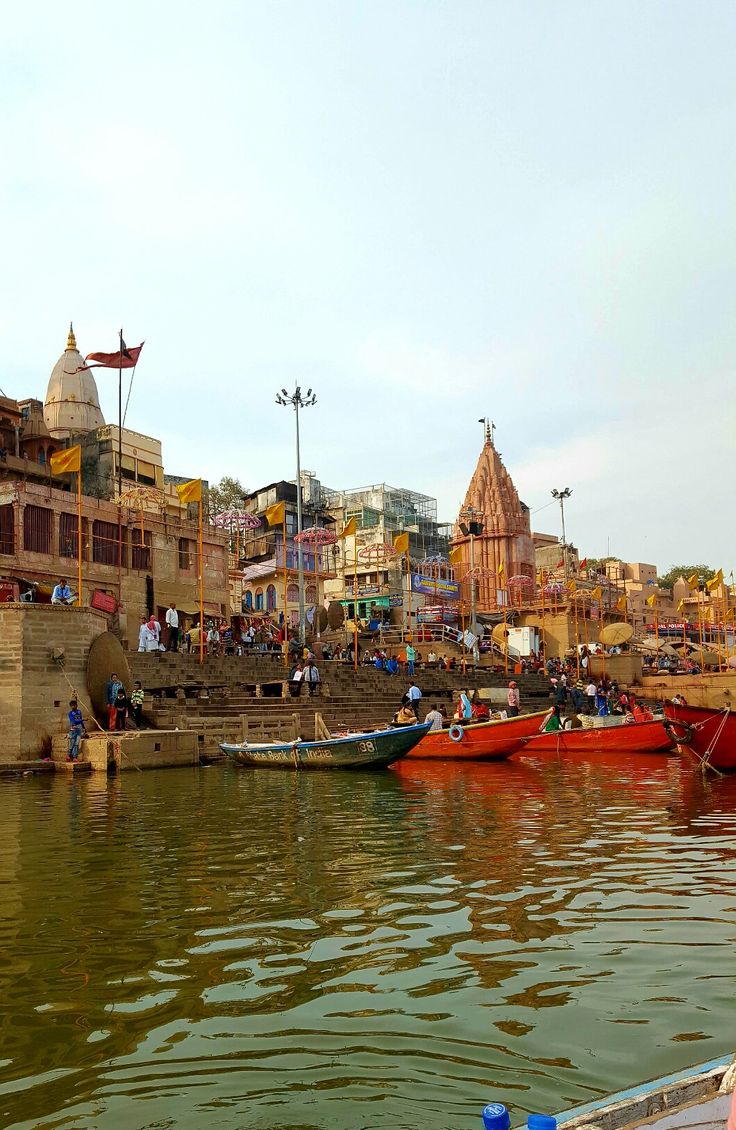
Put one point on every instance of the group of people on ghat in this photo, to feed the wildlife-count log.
(469, 708)
(124, 711)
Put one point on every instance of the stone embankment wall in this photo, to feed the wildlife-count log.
(34, 686)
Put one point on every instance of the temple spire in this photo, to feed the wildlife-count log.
(71, 341)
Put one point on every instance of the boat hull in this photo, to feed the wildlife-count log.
(698, 1096)
(481, 741)
(710, 735)
(372, 750)
(633, 737)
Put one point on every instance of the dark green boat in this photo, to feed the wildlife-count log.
(373, 750)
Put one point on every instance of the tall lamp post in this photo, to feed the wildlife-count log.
(561, 495)
(297, 401)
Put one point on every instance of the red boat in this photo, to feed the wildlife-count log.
(479, 741)
(625, 737)
(707, 733)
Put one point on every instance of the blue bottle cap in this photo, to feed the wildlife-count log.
(541, 1122)
(496, 1117)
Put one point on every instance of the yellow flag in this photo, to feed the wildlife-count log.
(571, 586)
(681, 606)
(714, 582)
(348, 529)
(621, 604)
(190, 492)
(276, 514)
(501, 570)
(401, 543)
(456, 555)
(692, 582)
(68, 460)
(597, 593)
(651, 600)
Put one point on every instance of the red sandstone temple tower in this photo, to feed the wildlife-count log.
(506, 533)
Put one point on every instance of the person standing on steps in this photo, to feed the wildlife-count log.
(136, 704)
(411, 657)
(76, 730)
(311, 677)
(512, 699)
(111, 692)
(413, 696)
(172, 623)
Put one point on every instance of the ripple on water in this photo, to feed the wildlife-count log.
(361, 950)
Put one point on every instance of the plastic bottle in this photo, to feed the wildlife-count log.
(496, 1117)
(541, 1122)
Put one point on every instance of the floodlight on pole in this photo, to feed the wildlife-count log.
(296, 401)
(561, 495)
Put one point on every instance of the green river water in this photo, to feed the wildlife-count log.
(252, 948)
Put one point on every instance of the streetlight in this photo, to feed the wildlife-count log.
(561, 495)
(297, 401)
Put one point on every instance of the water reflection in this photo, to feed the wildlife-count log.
(229, 948)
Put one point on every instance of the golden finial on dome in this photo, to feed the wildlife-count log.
(71, 341)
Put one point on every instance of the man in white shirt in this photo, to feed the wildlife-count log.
(62, 594)
(172, 623)
(414, 695)
(213, 641)
(431, 658)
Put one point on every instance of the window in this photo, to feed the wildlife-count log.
(7, 529)
(311, 594)
(140, 550)
(259, 600)
(292, 593)
(248, 600)
(186, 554)
(41, 456)
(271, 599)
(37, 523)
(105, 544)
(68, 535)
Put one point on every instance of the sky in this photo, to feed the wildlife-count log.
(428, 212)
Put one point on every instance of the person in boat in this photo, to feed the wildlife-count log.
(678, 700)
(601, 700)
(553, 722)
(464, 711)
(512, 698)
(404, 716)
(481, 713)
(435, 719)
(640, 713)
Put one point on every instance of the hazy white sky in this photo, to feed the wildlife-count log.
(428, 211)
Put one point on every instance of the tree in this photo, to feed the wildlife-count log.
(228, 494)
(667, 580)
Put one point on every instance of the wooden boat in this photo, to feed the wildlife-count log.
(710, 735)
(373, 750)
(479, 741)
(698, 1097)
(623, 737)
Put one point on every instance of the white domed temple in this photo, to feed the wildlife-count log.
(72, 405)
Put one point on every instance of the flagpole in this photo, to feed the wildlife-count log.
(408, 593)
(201, 580)
(355, 599)
(285, 634)
(79, 535)
(120, 471)
(577, 641)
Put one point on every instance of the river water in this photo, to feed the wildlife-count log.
(252, 948)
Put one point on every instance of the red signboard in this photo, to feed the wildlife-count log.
(8, 592)
(103, 601)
